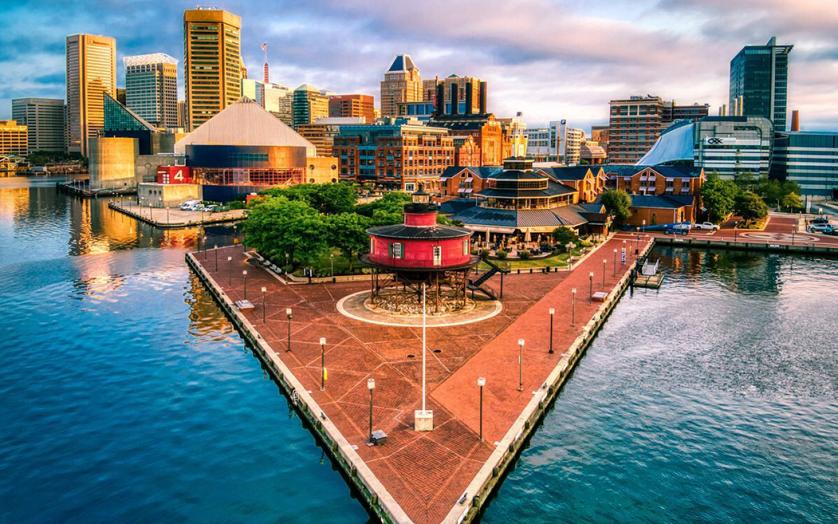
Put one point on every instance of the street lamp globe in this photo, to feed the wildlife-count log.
(552, 311)
(288, 312)
(322, 341)
(370, 384)
(521, 342)
(481, 381)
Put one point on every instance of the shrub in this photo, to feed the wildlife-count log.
(501, 254)
(524, 255)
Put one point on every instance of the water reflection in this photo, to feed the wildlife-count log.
(32, 210)
(738, 271)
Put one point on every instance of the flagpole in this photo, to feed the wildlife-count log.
(424, 345)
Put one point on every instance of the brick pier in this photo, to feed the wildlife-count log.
(426, 474)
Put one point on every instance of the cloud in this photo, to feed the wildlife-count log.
(548, 59)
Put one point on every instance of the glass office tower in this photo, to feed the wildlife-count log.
(759, 82)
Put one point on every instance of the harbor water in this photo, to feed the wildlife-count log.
(127, 396)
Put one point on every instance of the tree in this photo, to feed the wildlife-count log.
(348, 232)
(718, 197)
(388, 209)
(564, 235)
(750, 206)
(617, 204)
(276, 226)
(792, 201)
(328, 199)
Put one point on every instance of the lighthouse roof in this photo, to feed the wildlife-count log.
(418, 233)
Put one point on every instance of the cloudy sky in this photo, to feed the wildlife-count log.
(548, 59)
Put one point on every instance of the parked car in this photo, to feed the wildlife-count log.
(820, 228)
(190, 205)
(706, 225)
(819, 220)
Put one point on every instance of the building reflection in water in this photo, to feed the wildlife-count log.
(206, 319)
(741, 271)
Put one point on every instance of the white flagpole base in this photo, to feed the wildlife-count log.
(423, 420)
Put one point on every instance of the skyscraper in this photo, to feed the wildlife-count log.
(351, 106)
(402, 83)
(151, 88)
(471, 97)
(212, 68)
(759, 82)
(45, 119)
(91, 72)
(309, 104)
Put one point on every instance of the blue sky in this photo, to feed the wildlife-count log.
(547, 59)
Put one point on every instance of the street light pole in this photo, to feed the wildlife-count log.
(573, 307)
(264, 290)
(591, 287)
(229, 271)
(215, 248)
(332, 264)
(244, 276)
(604, 262)
(371, 387)
(622, 261)
(520, 364)
(615, 261)
(288, 315)
(552, 313)
(322, 363)
(481, 381)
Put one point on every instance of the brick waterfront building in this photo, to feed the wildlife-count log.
(394, 156)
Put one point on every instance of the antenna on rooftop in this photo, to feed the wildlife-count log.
(264, 47)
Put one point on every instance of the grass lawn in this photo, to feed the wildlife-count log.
(559, 260)
(323, 265)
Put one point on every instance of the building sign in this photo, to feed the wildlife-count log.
(174, 175)
(720, 140)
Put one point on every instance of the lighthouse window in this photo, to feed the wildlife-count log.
(465, 247)
(396, 250)
(437, 255)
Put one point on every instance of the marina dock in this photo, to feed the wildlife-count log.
(444, 475)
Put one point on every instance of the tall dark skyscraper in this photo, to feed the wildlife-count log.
(759, 82)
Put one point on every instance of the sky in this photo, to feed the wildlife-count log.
(547, 59)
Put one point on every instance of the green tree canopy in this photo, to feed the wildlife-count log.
(792, 201)
(750, 206)
(328, 199)
(388, 209)
(348, 232)
(276, 226)
(617, 204)
(718, 197)
(564, 235)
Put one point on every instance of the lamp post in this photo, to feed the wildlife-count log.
(332, 264)
(288, 315)
(570, 246)
(481, 381)
(264, 290)
(604, 262)
(371, 387)
(573, 307)
(615, 261)
(623, 259)
(215, 249)
(322, 363)
(591, 287)
(229, 271)
(520, 364)
(244, 276)
(552, 313)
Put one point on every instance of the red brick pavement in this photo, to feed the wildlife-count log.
(425, 472)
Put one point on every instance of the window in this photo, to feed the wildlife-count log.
(437, 255)
(396, 250)
(465, 247)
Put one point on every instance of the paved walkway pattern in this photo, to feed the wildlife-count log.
(426, 472)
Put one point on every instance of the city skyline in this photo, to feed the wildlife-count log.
(548, 60)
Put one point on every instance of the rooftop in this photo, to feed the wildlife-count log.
(244, 123)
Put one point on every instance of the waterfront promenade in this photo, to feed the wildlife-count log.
(432, 476)
(174, 217)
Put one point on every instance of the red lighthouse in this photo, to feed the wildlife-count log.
(420, 251)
